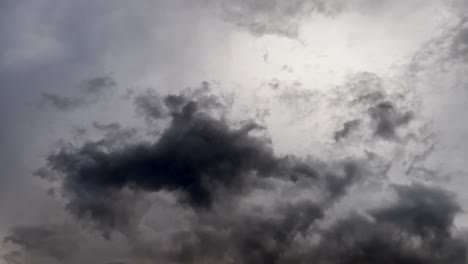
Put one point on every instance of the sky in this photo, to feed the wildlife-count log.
(233, 131)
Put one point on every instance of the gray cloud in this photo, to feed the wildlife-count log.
(459, 47)
(150, 105)
(48, 241)
(50, 55)
(62, 102)
(417, 227)
(348, 128)
(89, 92)
(200, 157)
(213, 170)
(387, 119)
(217, 187)
(284, 18)
(375, 108)
(249, 239)
(421, 211)
(97, 85)
(262, 17)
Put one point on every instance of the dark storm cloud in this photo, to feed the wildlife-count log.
(347, 129)
(416, 228)
(246, 239)
(197, 156)
(211, 166)
(421, 211)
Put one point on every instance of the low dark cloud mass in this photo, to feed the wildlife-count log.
(201, 158)
(215, 170)
(421, 211)
(248, 239)
(416, 228)
(323, 133)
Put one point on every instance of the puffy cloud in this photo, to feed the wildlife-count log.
(198, 156)
(210, 187)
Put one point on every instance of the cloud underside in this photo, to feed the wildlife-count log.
(200, 187)
(215, 171)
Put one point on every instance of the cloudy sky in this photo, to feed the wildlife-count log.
(233, 131)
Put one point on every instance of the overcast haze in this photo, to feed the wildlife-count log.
(233, 131)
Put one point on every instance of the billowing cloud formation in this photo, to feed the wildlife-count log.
(216, 171)
(200, 157)
(208, 187)
(416, 228)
